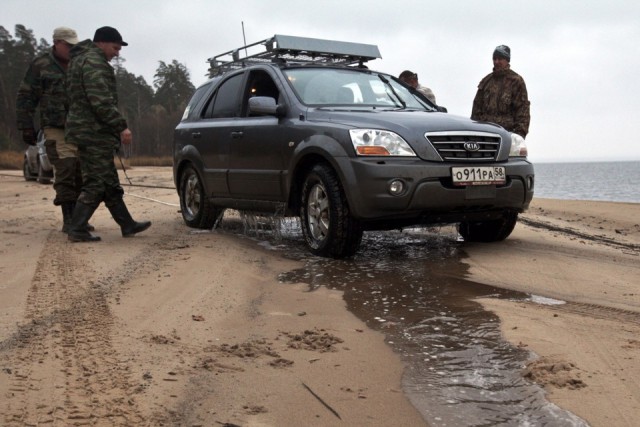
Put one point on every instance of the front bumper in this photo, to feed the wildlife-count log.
(429, 194)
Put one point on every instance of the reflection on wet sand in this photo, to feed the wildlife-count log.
(411, 285)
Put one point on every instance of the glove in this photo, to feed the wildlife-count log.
(29, 136)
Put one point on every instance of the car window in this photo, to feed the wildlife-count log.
(225, 102)
(260, 83)
(349, 87)
(197, 96)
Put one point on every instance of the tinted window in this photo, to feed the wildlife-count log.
(199, 93)
(226, 100)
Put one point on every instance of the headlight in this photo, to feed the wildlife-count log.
(518, 146)
(374, 142)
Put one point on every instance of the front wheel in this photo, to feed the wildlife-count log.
(26, 171)
(197, 210)
(43, 176)
(489, 231)
(327, 225)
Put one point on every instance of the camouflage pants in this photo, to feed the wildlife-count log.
(66, 166)
(99, 175)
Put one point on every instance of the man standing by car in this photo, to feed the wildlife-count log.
(43, 86)
(502, 96)
(96, 126)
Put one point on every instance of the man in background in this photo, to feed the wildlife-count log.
(502, 96)
(43, 86)
(411, 78)
(96, 126)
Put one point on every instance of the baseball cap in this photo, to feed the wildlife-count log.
(110, 35)
(66, 34)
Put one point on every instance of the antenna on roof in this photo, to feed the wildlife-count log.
(244, 38)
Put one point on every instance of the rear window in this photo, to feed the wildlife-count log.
(197, 96)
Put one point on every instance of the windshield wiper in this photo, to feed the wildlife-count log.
(386, 81)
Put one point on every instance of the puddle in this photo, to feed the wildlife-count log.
(411, 286)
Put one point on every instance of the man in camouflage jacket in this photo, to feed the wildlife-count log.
(43, 86)
(502, 96)
(96, 126)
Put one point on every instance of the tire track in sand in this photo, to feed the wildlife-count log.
(62, 364)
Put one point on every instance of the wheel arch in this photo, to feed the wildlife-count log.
(189, 156)
(317, 149)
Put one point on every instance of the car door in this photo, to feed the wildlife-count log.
(257, 156)
(217, 126)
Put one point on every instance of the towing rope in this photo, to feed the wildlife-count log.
(20, 177)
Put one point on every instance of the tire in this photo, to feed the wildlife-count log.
(26, 171)
(197, 210)
(327, 225)
(489, 231)
(42, 175)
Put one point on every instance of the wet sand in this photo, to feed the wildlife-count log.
(193, 328)
(174, 327)
(586, 351)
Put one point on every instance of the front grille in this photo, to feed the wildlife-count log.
(451, 145)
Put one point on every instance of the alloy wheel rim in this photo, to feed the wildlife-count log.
(318, 212)
(192, 196)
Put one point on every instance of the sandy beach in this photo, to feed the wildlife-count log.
(184, 327)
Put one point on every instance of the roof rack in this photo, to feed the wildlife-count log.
(280, 48)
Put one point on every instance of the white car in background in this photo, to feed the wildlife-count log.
(36, 165)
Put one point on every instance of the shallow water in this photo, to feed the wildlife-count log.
(411, 286)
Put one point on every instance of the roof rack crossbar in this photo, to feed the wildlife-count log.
(296, 50)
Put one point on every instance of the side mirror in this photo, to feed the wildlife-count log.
(265, 105)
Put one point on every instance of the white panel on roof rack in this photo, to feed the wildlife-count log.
(321, 46)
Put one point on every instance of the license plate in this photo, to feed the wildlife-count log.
(479, 175)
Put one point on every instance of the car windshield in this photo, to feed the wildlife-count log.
(334, 87)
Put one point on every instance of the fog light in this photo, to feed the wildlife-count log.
(396, 187)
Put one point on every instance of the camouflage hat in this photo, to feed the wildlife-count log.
(65, 34)
(109, 35)
(502, 51)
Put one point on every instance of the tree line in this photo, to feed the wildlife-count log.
(151, 112)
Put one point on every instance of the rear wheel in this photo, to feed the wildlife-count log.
(489, 231)
(327, 225)
(197, 210)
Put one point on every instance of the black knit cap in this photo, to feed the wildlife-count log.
(109, 35)
(502, 51)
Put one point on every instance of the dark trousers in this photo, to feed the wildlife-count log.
(100, 181)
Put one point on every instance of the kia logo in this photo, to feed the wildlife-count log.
(471, 146)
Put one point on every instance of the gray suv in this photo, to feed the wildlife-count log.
(304, 129)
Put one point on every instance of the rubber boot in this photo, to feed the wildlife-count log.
(67, 214)
(89, 226)
(78, 231)
(128, 226)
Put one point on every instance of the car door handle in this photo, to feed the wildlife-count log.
(196, 135)
(237, 135)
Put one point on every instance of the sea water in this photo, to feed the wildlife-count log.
(604, 181)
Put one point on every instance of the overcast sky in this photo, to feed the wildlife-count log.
(580, 59)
